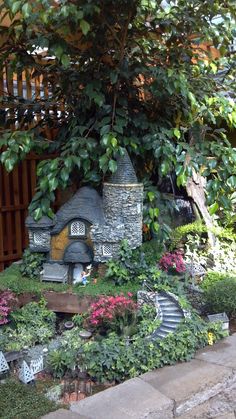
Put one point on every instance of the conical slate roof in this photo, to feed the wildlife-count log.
(86, 204)
(125, 172)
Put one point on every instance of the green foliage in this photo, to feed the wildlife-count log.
(19, 401)
(180, 234)
(130, 266)
(193, 237)
(33, 323)
(117, 359)
(117, 94)
(60, 362)
(148, 321)
(78, 320)
(221, 297)
(211, 278)
(32, 264)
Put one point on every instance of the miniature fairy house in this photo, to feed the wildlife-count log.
(89, 228)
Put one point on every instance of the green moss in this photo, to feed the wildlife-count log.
(12, 279)
(20, 401)
(105, 287)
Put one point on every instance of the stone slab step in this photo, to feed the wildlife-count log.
(176, 315)
(64, 414)
(172, 319)
(170, 325)
(190, 384)
(132, 399)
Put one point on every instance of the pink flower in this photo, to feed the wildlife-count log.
(173, 261)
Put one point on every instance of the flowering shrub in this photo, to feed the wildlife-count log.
(113, 313)
(7, 300)
(173, 261)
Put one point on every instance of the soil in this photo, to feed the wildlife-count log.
(232, 326)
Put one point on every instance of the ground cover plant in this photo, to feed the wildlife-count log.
(19, 401)
(31, 324)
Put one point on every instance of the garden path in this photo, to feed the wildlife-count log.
(203, 388)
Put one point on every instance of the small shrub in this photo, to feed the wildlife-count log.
(179, 234)
(212, 278)
(113, 314)
(173, 262)
(221, 297)
(131, 266)
(34, 323)
(61, 362)
(78, 320)
(7, 300)
(32, 264)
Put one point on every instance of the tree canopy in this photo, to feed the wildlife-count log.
(140, 74)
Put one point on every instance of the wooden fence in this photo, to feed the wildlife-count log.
(18, 187)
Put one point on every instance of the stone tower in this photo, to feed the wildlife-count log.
(123, 201)
(123, 208)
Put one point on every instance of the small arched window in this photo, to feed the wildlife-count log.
(77, 228)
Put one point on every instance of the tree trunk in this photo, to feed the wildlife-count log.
(195, 188)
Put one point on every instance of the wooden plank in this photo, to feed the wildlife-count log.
(33, 177)
(8, 242)
(1, 84)
(17, 216)
(1, 222)
(20, 94)
(19, 207)
(10, 92)
(11, 257)
(65, 302)
(26, 200)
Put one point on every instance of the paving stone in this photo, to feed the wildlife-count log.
(132, 399)
(189, 384)
(222, 353)
(63, 414)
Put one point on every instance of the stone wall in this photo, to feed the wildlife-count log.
(106, 235)
(123, 204)
(45, 240)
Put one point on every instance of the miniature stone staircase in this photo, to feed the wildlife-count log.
(170, 312)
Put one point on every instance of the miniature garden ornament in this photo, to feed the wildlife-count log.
(36, 365)
(85, 275)
(4, 367)
(89, 227)
(25, 373)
